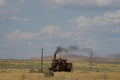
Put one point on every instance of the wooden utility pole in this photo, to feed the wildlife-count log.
(42, 59)
(91, 61)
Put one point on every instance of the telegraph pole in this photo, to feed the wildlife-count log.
(91, 61)
(42, 59)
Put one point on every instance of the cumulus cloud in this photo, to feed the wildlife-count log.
(49, 29)
(65, 34)
(14, 18)
(83, 3)
(11, 11)
(83, 27)
(83, 31)
(76, 32)
(107, 19)
(99, 32)
(21, 35)
(2, 3)
(45, 32)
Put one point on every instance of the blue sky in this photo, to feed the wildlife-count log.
(26, 26)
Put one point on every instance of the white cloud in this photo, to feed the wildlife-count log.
(65, 34)
(102, 2)
(14, 18)
(83, 31)
(21, 35)
(49, 29)
(11, 11)
(47, 32)
(98, 31)
(2, 3)
(83, 3)
(105, 20)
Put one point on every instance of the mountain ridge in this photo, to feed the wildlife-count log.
(72, 57)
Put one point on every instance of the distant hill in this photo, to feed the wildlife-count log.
(64, 56)
(70, 56)
(114, 56)
(74, 57)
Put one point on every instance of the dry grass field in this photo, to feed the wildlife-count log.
(20, 70)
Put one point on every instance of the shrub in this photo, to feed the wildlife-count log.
(48, 73)
(23, 77)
